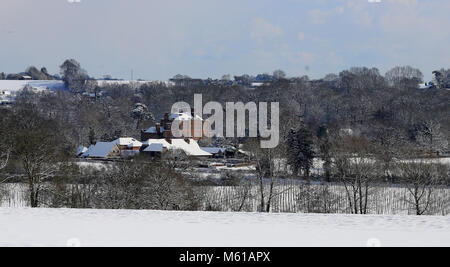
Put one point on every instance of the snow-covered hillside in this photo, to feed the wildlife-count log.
(62, 227)
(13, 85)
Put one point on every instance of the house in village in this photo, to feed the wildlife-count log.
(129, 147)
(102, 150)
(163, 129)
(5, 97)
(216, 152)
(156, 140)
(121, 147)
(184, 81)
(190, 147)
(127, 143)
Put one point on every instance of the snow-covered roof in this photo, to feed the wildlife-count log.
(135, 144)
(424, 86)
(154, 148)
(191, 149)
(183, 116)
(86, 153)
(153, 129)
(81, 150)
(213, 150)
(127, 141)
(257, 84)
(244, 152)
(100, 150)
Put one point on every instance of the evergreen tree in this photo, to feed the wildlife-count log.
(300, 150)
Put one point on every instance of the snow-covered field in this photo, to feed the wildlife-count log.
(14, 85)
(70, 227)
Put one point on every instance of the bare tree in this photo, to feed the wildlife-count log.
(169, 189)
(143, 185)
(324, 141)
(38, 74)
(36, 146)
(316, 199)
(279, 74)
(355, 167)
(91, 87)
(121, 187)
(243, 194)
(226, 77)
(421, 180)
(141, 114)
(269, 167)
(431, 138)
(397, 75)
(5, 144)
(74, 76)
(442, 78)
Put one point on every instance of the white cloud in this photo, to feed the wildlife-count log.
(262, 29)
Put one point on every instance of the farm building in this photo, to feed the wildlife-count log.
(102, 150)
(189, 146)
(127, 143)
(163, 129)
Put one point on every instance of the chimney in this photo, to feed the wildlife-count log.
(158, 128)
(166, 116)
(167, 133)
(169, 140)
(187, 140)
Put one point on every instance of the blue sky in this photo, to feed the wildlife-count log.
(209, 38)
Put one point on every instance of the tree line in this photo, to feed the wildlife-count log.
(364, 126)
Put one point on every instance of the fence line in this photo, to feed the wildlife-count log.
(288, 198)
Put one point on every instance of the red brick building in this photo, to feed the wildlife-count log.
(163, 129)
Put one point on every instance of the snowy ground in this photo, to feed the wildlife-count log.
(15, 85)
(69, 227)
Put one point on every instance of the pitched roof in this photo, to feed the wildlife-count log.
(86, 153)
(183, 116)
(154, 148)
(127, 141)
(81, 150)
(191, 149)
(100, 150)
(213, 150)
(153, 129)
